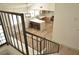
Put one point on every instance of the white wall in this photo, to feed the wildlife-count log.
(66, 25)
(51, 6)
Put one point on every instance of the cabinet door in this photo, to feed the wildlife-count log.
(44, 6)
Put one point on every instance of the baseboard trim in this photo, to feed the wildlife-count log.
(3, 44)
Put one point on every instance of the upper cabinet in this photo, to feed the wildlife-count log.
(14, 7)
(43, 6)
(24, 7)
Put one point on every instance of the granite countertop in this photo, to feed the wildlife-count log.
(37, 20)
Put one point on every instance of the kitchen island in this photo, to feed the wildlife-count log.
(37, 24)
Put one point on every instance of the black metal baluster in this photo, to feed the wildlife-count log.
(8, 28)
(19, 33)
(24, 33)
(48, 47)
(58, 48)
(5, 30)
(52, 45)
(44, 46)
(0, 37)
(32, 45)
(40, 46)
(15, 31)
(0, 42)
(11, 29)
(37, 45)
